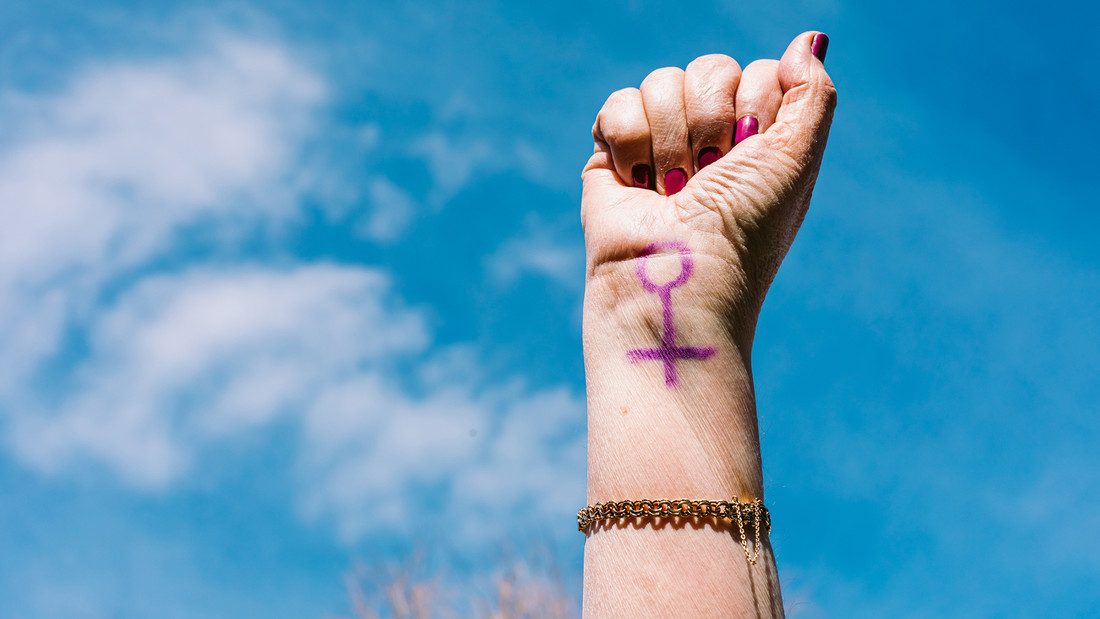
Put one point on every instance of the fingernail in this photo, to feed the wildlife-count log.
(708, 156)
(747, 126)
(819, 45)
(641, 175)
(675, 179)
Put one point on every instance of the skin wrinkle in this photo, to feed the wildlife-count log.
(710, 83)
(662, 91)
(627, 127)
(625, 288)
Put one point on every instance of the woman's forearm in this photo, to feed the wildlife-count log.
(648, 439)
(686, 223)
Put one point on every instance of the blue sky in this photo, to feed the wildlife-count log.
(286, 286)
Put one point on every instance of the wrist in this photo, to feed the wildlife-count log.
(672, 425)
(717, 294)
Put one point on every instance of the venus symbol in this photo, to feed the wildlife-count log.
(668, 352)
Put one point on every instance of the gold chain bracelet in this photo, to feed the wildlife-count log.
(744, 514)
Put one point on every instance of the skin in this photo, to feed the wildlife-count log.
(697, 438)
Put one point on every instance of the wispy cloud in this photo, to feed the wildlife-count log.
(382, 459)
(392, 210)
(183, 358)
(106, 175)
(452, 162)
(129, 349)
(541, 249)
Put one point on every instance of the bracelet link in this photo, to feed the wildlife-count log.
(752, 514)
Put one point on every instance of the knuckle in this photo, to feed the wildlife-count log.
(626, 102)
(762, 66)
(828, 93)
(617, 130)
(622, 119)
(623, 96)
(713, 63)
(664, 74)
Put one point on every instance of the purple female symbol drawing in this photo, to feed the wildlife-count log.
(668, 352)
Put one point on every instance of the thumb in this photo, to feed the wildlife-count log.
(600, 172)
(809, 97)
(780, 165)
(599, 176)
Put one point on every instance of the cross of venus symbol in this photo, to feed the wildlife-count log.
(668, 352)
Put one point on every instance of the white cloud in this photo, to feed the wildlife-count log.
(539, 250)
(104, 175)
(392, 210)
(535, 459)
(123, 352)
(181, 359)
(504, 451)
(452, 163)
(185, 362)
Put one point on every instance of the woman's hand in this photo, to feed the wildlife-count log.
(666, 168)
(684, 232)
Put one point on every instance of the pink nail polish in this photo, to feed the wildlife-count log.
(819, 45)
(675, 179)
(708, 156)
(747, 126)
(641, 175)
